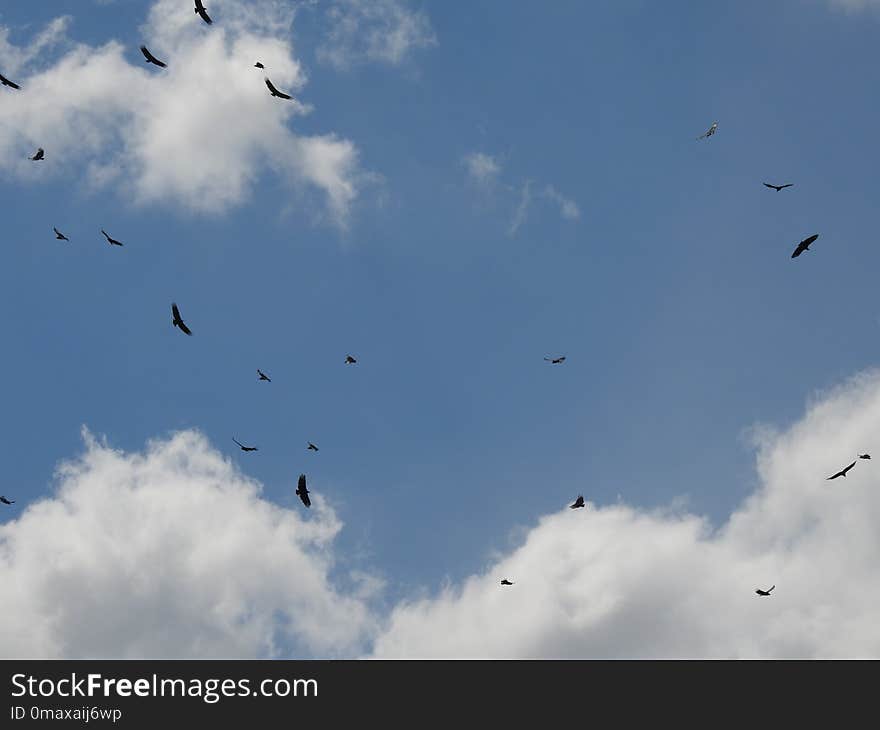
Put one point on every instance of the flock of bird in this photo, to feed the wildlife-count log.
(177, 321)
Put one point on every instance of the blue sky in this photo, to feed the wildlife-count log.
(671, 291)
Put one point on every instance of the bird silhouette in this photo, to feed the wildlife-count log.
(243, 447)
(202, 13)
(579, 502)
(842, 472)
(177, 321)
(274, 92)
(302, 491)
(263, 376)
(311, 447)
(506, 582)
(111, 241)
(7, 82)
(59, 235)
(349, 360)
(804, 245)
(39, 154)
(710, 131)
(6, 501)
(764, 593)
(864, 456)
(555, 360)
(777, 188)
(151, 58)
(259, 64)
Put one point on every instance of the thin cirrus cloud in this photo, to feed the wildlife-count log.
(198, 134)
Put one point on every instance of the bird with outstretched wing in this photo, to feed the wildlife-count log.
(302, 491)
(177, 321)
(151, 58)
(804, 245)
(777, 188)
(842, 472)
(202, 13)
(274, 92)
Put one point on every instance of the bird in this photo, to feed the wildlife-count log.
(111, 241)
(555, 360)
(777, 188)
(6, 501)
(311, 447)
(263, 376)
(259, 64)
(275, 92)
(243, 447)
(202, 13)
(177, 321)
(764, 593)
(39, 154)
(506, 582)
(7, 82)
(864, 456)
(710, 131)
(842, 472)
(579, 502)
(349, 360)
(59, 235)
(151, 58)
(302, 491)
(804, 245)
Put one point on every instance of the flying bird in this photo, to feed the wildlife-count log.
(6, 501)
(710, 131)
(259, 64)
(777, 188)
(151, 58)
(349, 360)
(864, 456)
(302, 491)
(111, 241)
(555, 360)
(263, 376)
(579, 502)
(506, 582)
(804, 245)
(764, 593)
(177, 321)
(202, 13)
(275, 92)
(842, 472)
(39, 154)
(243, 447)
(59, 235)
(311, 447)
(7, 82)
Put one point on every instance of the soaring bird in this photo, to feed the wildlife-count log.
(506, 582)
(59, 235)
(39, 154)
(243, 447)
(311, 447)
(864, 456)
(151, 58)
(263, 376)
(555, 360)
(177, 321)
(259, 64)
(777, 188)
(764, 593)
(275, 92)
(710, 131)
(6, 501)
(842, 472)
(111, 241)
(349, 360)
(202, 13)
(302, 491)
(7, 82)
(579, 502)
(804, 245)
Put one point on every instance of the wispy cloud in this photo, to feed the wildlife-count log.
(482, 168)
(522, 209)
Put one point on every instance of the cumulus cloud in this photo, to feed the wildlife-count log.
(378, 31)
(616, 581)
(199, 133)
(172, 553)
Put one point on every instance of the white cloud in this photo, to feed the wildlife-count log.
(199, 133)
(616, 581)
(172, 553)
(567, 207)
(379, 31)
(522, 209)
(482, 168)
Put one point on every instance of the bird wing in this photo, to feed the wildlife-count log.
(203, 14)
(768, 185)
(174, 310)
(848, 468)
(237, 441)
(150, 57)
(7, 82)
(787, 185)
(184, 328)
(275, 91)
